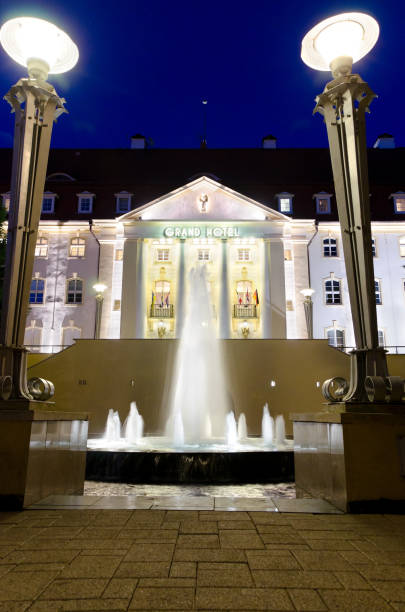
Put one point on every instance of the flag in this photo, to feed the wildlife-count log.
(153, 299)
(247, 297)
(167, 300)
(256, 297)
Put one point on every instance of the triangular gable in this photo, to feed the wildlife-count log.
(187, 204)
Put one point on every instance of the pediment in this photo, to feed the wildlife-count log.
(203, 200)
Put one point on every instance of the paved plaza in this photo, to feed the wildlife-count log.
(98, 553)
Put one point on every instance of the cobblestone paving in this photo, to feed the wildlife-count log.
(90, 559)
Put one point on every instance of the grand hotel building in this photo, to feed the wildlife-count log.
(263, 221)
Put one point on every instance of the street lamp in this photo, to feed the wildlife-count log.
(335, 44)
(308, 309)
(99, 288)
(42, 48)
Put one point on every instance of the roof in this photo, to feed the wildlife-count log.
(259, 174)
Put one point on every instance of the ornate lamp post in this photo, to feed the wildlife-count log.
(43, 49)
(99, 288)
(308, 309)
(335, 44)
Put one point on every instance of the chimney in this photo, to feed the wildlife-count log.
(138, 142)
(269, 142)
(385, 141)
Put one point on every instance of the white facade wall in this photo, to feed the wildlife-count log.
(389, 270)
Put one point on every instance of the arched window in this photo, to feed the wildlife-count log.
(333, 293)
(41, 247)
(336, 337)
(74, 291)
(33, 337)
(330, 247)
(37, 291)
(70, 334)
(77, 247)
(244, 292)
(162, 293)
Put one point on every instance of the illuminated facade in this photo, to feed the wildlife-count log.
(260, 252)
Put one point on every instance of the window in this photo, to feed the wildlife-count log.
(322, 200)
(5, 198)
(330, 247)
(332, 291)
(323, 206)
(402, 246)
(381, 337)
(243, 254)
(48, 202)
(74, 291)
(85, 202)
(399, 202)
(77, 247)
(377, 287)
(244, 292)
(163, 254)
(161, 296)
(336, 337)
(41, 247)
(373, 247)
(123, 202)
(285, 202)
(70, 334)
(37, 291)
(203, 254)
(119, 254)
(33, 337)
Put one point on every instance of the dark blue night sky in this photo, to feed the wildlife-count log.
(146, 65)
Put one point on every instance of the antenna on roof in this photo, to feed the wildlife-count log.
(204, 138)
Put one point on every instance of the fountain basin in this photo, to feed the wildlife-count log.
(156, 462)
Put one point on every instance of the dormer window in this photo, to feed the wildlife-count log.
(399, 202)
(323, 203)
(123, 202)
(285, 202)
(48, 202)
(85, 205)
(5, 200)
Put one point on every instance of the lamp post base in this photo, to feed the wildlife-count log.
(43, 453)
(355, 459)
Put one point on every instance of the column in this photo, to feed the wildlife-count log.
(132, 304)
(224, 309)
(277, 289)
(301, 276)
(105, 275)
(140, 311)
(180, 294)
(265, 306)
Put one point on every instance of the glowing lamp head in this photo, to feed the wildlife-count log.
(337, 42)
(99, 287)
(39, 45)
(307, 293)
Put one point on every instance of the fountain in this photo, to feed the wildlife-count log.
(203, 441)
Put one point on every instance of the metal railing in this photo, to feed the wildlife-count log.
(244, 311)
(391, 350)
(161, 312)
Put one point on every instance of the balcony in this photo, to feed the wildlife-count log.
(244, 311)
(161, 312)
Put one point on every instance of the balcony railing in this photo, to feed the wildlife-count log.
(244, 311)
(161, 312)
